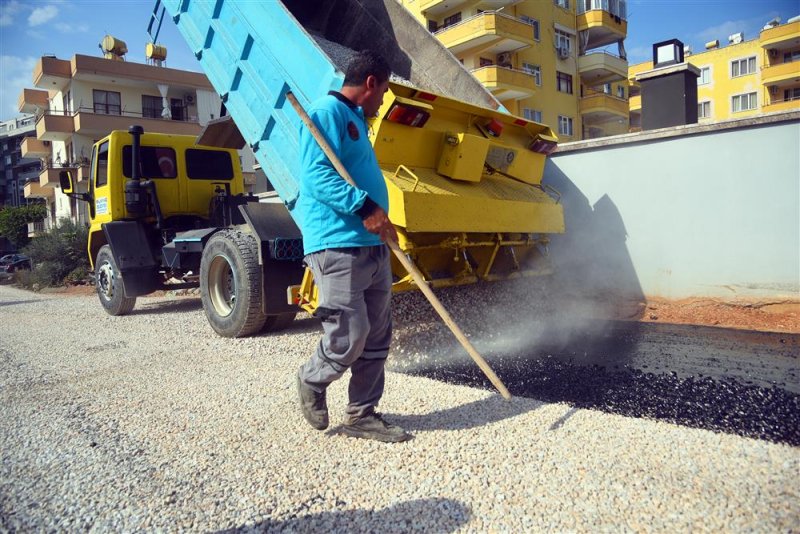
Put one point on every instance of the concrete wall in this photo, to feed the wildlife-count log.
(711, 210)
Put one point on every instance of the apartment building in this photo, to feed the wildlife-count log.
(741, 78)
(79, 101)
(559, 62)
(15, 171)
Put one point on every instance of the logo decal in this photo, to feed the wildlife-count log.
(352, 129)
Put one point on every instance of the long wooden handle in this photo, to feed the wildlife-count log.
(407, 263)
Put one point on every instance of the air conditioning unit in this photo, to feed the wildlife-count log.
(563, 52)
(189, 99)
(504, 59)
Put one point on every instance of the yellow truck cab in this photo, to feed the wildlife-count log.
(167, 213)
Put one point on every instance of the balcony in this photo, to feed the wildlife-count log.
(52, 73)
(781, 74)
(599, 107)
(505, 83)
(781, 38)
(89, 123)
(792, 104)
(435, 8)
(597, 68)
(604, 21)
(33, 189)
(49, 175)
(490, 32)
(32, 101)
(32, 147)
(54, 126)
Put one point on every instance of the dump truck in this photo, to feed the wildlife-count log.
(464, 176)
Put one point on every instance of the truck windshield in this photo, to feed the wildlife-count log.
(157, 162)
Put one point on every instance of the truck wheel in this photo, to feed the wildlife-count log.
(108, 282)
(230, 284)
(276, 323)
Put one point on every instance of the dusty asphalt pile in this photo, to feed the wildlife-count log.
(560, 351)
(152, 422)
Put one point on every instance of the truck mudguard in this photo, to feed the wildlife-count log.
(132, 253)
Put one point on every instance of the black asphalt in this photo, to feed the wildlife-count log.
(732, 381)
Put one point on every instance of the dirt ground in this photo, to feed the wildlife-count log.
(746, 314)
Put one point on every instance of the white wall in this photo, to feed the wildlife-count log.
(714, 214)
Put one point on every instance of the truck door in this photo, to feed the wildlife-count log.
(100, 210)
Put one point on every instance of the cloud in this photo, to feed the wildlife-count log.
(64, 27)
(17, 74)
(7, 12)
(638, 54)
(750, 27)
(40, 15)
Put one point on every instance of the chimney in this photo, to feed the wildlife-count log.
(669, 90)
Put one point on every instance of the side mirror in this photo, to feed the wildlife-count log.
(68, 187)
(65, 179)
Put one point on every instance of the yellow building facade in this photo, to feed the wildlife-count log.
(544, 60)
(741, 79)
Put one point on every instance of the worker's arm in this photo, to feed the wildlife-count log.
(319, 178)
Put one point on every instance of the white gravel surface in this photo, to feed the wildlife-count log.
(152, 422)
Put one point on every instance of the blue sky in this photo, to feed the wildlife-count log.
(31, 28)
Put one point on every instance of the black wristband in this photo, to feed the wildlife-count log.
(367, 208)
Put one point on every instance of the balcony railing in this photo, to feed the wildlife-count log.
(618, 8)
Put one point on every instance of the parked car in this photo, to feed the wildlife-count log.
(11, 263)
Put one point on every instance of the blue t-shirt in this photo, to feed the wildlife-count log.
(327, 203)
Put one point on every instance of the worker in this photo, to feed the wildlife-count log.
(344, 229)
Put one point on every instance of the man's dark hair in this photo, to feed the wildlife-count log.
(366, 63)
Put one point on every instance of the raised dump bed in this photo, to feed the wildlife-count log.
(464, 177)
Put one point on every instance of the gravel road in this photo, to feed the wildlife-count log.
(152, 422)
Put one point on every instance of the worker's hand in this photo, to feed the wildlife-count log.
(378, 223)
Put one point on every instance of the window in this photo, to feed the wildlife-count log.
(564, 125)
(177, 108)
(532, 114)
(485, 62)
(157, 162)
(564, 42)
(791, 94)
(452, 19)
(607, 88)
(533, 70)
(66, 99)
(208, 164)
(107, 102)
(562, 3)
(151, 107)
(743, 67)
(744, 102)
(620, 92)
(564, 82)
(788, 57)
(705, 76)
(533, 22)
(101, 178)
(704, 110)
(432, 26)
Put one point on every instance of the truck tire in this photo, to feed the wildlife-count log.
(108, 282)
(276, 323)
(230, 284)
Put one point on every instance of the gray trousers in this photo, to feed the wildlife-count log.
(355, 289)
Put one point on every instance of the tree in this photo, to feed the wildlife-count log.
(14, 222)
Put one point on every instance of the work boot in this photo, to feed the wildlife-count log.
(313, 405)
(373, 426)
